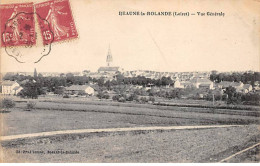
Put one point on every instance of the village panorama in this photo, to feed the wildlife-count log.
(114, 115)
(113, 83)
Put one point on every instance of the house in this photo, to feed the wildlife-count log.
(245, 89)
(183, 84)
(248, 87)
(239, 86)
(108, 69)
(206, 86)
(138, 86)
(24, 81)
(178, 84)
(225, 84)
(202, 83)
(256, 83)
(10, 87)
(77, 89)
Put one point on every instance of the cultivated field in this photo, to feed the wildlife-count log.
(194, 145)
(206, 145)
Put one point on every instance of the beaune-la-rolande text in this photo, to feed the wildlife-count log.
(148, 13)
(167, 13)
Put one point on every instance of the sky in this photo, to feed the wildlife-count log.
(158, 43)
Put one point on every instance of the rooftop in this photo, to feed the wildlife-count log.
(78, 87)
(8, 83)
(108, 69)
(200, 80)
(229, 83)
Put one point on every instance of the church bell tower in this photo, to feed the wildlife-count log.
(109, 57)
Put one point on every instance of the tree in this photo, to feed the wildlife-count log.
(176, 93)
(251, 99)
(214, 72)
(59, 90)
(247, 77)
(40, 75)
(119, 78)
(108, 85)
(101, 81)
(31, 89)
(69, 75)
(62, 75)
(220, 77)
(233, 96)
(85, 72)
(166, 81)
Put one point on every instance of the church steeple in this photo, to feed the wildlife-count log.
(35, 75)
(109, 57)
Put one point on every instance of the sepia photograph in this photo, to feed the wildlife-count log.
(130, 81)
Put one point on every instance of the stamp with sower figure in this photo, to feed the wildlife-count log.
(18, 33)
(17, 25)
(59, 17)
(55, 22)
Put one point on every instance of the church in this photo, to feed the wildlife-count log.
(109, 68)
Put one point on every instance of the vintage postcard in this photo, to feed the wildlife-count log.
(130, 81)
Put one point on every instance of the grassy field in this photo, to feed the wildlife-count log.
(172, 104)
(159, 100)
(206, 145)
(51, 116)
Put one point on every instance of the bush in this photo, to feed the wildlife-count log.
(152, 99)
(217, 97)
(131, 97)
(143, 100)
(116, 97)
(121, 99)
(224, 97)
(125, 97)
(66, 96)
(106, 96)
(176, 93)
(30, 105)
(135, 98)
(7, 104)
(251, 99)
(59, 90)
(82, 93)
(102, 95)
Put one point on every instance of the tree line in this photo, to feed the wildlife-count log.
(38, 85)
(53, 82)
(236, 77)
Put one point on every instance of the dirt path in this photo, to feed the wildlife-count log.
(53, 133)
